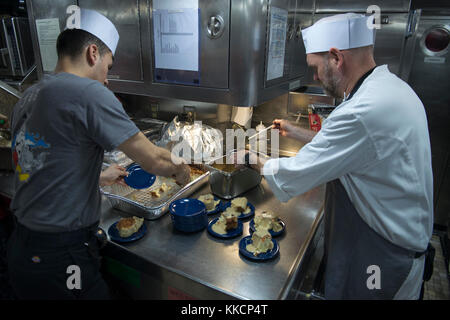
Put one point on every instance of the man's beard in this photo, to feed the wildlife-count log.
(331, 82)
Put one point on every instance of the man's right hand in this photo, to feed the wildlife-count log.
(290, 130)
(154, 159)
(183, 175)
(286, 128)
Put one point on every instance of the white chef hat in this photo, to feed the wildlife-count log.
(341, 31)
(100, 26)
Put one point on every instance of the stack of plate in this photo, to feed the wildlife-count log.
(188, 215)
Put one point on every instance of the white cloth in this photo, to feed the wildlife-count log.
(242, 116)
(378, 145)
(342, 31)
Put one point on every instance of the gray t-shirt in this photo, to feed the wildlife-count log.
(60, 129)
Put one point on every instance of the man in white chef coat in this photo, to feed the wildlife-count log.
(373, 151)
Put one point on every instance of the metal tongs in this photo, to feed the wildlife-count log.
(264, 130)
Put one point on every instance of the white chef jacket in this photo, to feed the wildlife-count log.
(377, 144)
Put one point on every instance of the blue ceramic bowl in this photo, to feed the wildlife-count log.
(138, 178)
(184, 227)
(188, 215)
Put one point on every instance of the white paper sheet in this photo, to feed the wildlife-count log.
(48, 31)
(277, 43)
(176, 34)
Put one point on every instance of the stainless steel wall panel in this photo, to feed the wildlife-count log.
(288, 5)
(247, 51)
(44, 9)
(306, 6)
(323, 6)
(125, 15)
(389, 41)
(298, 55)
(16, 50)
(232, 66)
(409, 44)
(291, 40)
(428, 76)
(214, 52)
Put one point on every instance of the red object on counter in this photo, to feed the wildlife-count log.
(315, 123)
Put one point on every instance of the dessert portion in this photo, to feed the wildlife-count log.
(240, 205)
(208, 200)
(261, 242)
(128, 226)
(158, 192)
(226, 222)
(195, 172)
(155, 192)
(267, 220)
(232, 212)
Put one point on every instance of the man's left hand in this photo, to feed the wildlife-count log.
(113, 174)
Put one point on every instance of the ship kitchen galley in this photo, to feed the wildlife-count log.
(224, 149)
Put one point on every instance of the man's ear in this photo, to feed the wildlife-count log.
(336, 57)
(92, 54)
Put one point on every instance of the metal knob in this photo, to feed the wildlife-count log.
(215, 27)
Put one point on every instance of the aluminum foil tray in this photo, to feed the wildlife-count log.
(142, 203)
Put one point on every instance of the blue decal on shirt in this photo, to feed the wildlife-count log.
(28, 153)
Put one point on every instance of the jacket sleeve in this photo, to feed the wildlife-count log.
(341, 146)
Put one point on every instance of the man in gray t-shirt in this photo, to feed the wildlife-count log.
(61, 128)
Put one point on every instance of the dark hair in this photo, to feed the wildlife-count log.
(71, 43)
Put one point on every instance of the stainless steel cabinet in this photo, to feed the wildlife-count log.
(303, 15)
(361, 5)
(214, 43)
(38, 11)
(16, 52)
(427, 70)
(126, 16)
(233, 48)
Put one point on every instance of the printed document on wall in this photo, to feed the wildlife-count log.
(176, 34)
(277, 43)
(47, 32)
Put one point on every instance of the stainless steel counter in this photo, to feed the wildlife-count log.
(170, 264)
